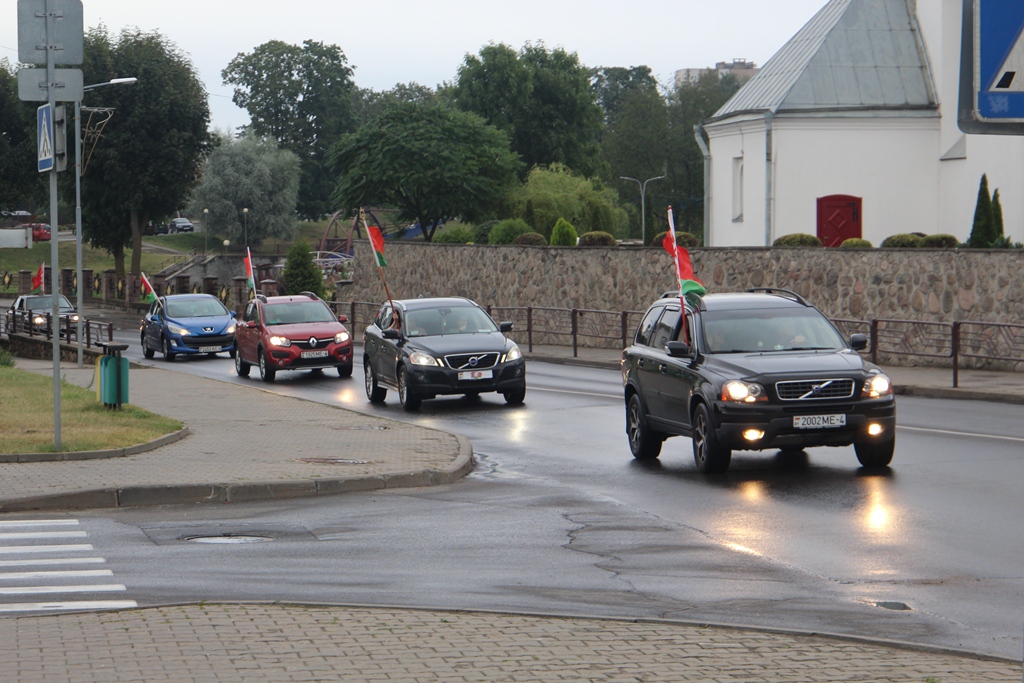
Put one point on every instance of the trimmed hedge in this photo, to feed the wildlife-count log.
(563, 234)
(531, 239)
(902, 241)
(797, 239)
(456, 234)
(508, 230)
(597, 238)
(856, 243)
(940, 241)
(683, 239)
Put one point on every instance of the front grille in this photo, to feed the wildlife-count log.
(471, 361)
(320, 343)
(814, 389)
(194, 341)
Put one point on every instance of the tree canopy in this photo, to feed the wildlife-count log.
(541, 98)
(148, 160)
(301, 97)
(248, 173)
(20, 185)
(555, 192)
(429, 162)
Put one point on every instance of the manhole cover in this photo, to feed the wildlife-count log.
(227, 538)
(357, 428)
(893, 605)
(332, 461)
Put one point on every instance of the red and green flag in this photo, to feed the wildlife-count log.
(148, 293)
(377, 242)
(688, 284)
(39, 280)
(248, 270)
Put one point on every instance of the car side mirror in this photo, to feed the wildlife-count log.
(505, 326)
(343, 318)
(679, 349)
(390, 333)
(233, 314)
(858, 342)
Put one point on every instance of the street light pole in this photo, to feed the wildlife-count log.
(206, 231)
(78, 205)
(643, 212)
(245, 214)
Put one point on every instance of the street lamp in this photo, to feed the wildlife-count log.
(78, 201)
(643, 194)
(245, 214)
(226, 243)
(206, 231)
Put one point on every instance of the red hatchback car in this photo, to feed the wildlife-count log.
(40, 231)
(297, 332)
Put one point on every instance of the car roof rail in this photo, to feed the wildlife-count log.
(789, 294)
(311, 295)
(695, 301)
(262, 298)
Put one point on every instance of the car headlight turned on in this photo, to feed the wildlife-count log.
(178, 330)
(512, 354)
(876, 386)
(38, 320)
(736, 391)
(420, 358)
(280, 341)
(341, 338)
(230, 329)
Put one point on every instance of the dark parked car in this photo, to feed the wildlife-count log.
(758, 370)
(298, 332)
(188, 324)
(36, 310)
(424, 348)
(180, 225)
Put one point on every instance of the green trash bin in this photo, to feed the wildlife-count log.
(113, 375)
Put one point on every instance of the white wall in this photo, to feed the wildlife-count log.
(728, 142)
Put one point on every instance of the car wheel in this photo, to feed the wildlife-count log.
(241, 367)
(406, 397)
(644, 443)
(374, 393)
(875, 453)
(168, 354)
(345, 370)
(515, 398)
(146, 351)
(267, 371)
(707, 452)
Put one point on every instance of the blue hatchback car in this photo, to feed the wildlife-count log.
(188, 324)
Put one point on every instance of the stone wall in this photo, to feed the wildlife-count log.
(913, 284)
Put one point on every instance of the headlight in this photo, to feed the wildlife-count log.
(876, 385)
(178, 330)
(38, 320)
(743, 392)
(230, 329)
(280, 341)
(513, 354)
(420, 358)
(74, 318)
(341, 338)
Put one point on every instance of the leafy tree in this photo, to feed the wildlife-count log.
(301, 274)
(614, 85)
(21, 186)
(541, 98)
(369, 104)
(249, 173)
(563, 234)
(148, 160)
(301, 97)
(431, 163)
(555, 192)
(983, 232)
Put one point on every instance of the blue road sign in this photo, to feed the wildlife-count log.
(999, 60)
(44, 137)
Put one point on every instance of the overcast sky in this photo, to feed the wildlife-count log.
(398, 41)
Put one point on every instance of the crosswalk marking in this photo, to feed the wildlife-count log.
(55, 559)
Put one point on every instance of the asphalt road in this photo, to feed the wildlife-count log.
(558, 518)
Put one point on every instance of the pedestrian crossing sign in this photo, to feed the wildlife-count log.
(44, 137)
(999, 60)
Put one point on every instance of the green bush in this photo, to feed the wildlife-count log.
(301, 274)
(456, 234)
(508, 230)
(6, 359)
(797, 239)
(598, 238)
(683, 239)
(563, 234)
(483, 231)
(531, 239)
(902, 241)
(940, 241)
(855, 243)
(1004, 242)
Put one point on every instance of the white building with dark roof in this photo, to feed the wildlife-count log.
(850, 130)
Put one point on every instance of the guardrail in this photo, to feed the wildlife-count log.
(93, 332)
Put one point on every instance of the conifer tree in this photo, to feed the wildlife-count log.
(300, 273)
(997, 215)
(983, 230)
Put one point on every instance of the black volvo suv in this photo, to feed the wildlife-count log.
(752, 371)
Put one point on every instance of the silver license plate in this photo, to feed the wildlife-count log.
(320, 353)
(209, 349)
(818, 421)
(475, 374)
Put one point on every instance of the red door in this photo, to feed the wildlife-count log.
(838, 219)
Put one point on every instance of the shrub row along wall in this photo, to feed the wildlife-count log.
(919, 284)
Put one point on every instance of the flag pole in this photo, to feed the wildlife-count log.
(380, 269)
(679, 274)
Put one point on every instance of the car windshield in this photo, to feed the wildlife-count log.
(297, 312)
(195, 308)
(44, 302)
(769, 330)
(427, 322)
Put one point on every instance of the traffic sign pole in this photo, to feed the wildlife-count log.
(51, 36)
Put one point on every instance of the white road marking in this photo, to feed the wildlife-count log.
(66, 606)
(1015, 439)
(11, 535)
(34, 590)
(20, 549)
(38, 522)
(41, 562)
(11, 576)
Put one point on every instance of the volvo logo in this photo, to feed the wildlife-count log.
(312, 341)
(816, 389)
(473, 360)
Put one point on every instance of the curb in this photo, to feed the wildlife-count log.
(7, 458)
(179, 494)
(957, 394)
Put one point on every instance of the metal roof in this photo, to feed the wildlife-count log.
(861, 56)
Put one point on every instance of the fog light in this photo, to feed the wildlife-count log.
(753, 434)
(874, 429)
